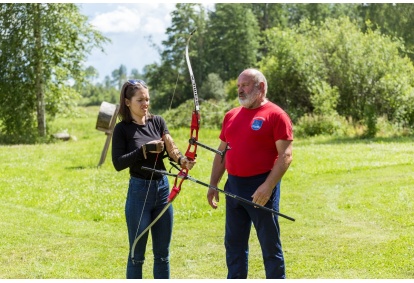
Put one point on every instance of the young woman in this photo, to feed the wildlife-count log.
(141, 139)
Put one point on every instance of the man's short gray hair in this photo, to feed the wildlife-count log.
(258, 77)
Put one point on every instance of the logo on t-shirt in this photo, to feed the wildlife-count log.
(257, 123)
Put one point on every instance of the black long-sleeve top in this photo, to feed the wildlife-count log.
(127, 142)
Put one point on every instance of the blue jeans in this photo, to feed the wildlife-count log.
(141, 209)
(239, 219)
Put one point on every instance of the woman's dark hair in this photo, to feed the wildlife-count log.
(128, 90)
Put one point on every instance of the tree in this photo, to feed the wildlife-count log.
(232, 40)
(318, 12)
(213, 88)
(94, 93)
(43, 47)
(270, 15)
(171, 78)
(393, 19)
(135, 74)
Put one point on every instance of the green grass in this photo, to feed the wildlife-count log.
(62, 217)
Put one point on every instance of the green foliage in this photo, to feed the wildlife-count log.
(317, 59)
(170, 81)
(211, 112)
(94, 93)
(393, 19)
(324, 99)
(385, 128)
(293, 69)
(310, 125)
(270, 15)
(213, 88)
(232, 40)
(43, 47)
(318, 12)
(231, 89)
(315, 125)
(336, 67)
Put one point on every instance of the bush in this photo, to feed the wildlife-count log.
(334, 66)
(315, 125)
(211, 113)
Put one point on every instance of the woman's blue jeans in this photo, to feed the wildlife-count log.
(239, 219)
(145, 200)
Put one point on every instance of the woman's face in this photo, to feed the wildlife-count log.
(139, 104)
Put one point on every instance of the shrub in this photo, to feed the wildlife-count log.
(335, 66)
(211, 112)
(315, 125)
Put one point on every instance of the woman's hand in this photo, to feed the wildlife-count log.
(155, 146)
(187, 164)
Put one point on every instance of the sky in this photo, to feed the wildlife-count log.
(131, 27)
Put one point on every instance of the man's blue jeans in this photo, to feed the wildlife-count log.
(141, 209)
(239, 219)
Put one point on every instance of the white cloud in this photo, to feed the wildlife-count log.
(154, 25)
(121, 20)
(144, 18)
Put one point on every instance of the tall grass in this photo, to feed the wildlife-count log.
(63, 217)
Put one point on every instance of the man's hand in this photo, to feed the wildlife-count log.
(262, 195)
(213, 197)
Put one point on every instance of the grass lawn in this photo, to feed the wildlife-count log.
(63, 217)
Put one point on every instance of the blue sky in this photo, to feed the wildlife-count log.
(130, 26)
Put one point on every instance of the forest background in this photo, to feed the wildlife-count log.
(338, 69)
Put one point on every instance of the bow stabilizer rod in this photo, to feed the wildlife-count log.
(221, 153)
(187, 177)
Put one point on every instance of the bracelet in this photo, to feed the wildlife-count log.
(179, 160)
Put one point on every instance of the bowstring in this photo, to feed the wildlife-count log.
(175, 87)
(146, 196)
(176, 81)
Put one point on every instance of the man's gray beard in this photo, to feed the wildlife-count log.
(249, 100)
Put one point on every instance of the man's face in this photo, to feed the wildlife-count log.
(249, 93)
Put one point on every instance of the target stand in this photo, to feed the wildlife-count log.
(106, 123)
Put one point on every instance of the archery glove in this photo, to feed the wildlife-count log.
(152, 148)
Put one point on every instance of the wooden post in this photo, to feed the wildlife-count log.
(105, 110)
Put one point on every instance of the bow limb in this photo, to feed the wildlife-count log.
(191, 152)
(173, 194)
(147, 229)
(196, 117)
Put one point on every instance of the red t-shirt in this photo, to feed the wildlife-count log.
(252, 136)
